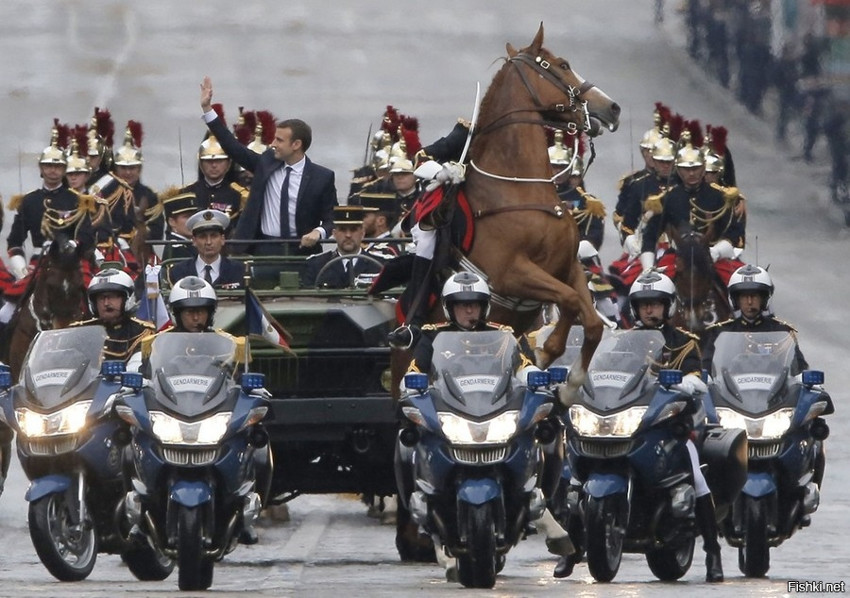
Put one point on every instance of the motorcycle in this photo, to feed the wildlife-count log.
(756, 385)
(194, 437)
(71, 445)
(631, 479)
(474, 473)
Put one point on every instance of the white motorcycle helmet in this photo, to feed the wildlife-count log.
(653, 286)
(112, 280)
(752, 279)
(462, 287)
(192, 291)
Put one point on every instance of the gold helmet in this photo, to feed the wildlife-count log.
(75, 162)
(689, 154)
(211, 150)
(398, 150)
(264, 131)
(130, 154)
(100, 134)
(664, 150)
(660, 117)
(53, 153)
(715, 149)
(559, 154)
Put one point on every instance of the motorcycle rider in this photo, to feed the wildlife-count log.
(111, 302)
(466, 303)
(652, 301)
(192, 303)
(750, 290)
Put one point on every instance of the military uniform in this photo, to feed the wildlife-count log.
(763, 323)
(124, 338)
(681, 350)
(225, 197)
(123, 199)
(424, 349)
(708, 209)
(588, 212)
(340, 275)
(634, 191)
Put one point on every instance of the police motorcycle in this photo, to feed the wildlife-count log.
(475, 432)
(70, 446)
(631, 479)
(194, 434)
(756, 385)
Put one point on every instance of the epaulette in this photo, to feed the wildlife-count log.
(500, 327)
(435, 326)
(16, 200)
(154, 212)
(688, 333)
(730, 194)
(790, 326)
(653, 203)
(243, 192)
(87, 203)
(594, 206)
(718, 324)
(88, 322)
(144, 323)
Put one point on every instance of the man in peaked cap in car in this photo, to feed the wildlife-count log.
(208, 228)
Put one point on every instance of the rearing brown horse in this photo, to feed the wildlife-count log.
(526, 241)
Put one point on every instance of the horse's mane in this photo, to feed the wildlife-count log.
(692, 247)
(487, 100)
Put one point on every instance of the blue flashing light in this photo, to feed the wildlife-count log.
(113, 367)
(558, 374)
(253, 381)
(538, 378)
(416, 381)
(5, 380)
(132, 380)
(670, 377)
(813, 377)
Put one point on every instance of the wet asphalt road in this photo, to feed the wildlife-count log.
(337, 65)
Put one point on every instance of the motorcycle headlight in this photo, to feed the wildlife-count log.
(69, 420)
(770, 426)
(498, 430)
(171, 430)
(622, 424)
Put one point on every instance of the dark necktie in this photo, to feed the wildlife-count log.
(208, 273)
(349, 270)
(284, 205)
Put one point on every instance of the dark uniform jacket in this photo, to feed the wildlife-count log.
(634, 191)
(123, 339)
(63, 217)
(588, 212)
(316, 195)
(424, 349)
(764, 323)
(123, 201)
(178, 251)
(681, 350)
(225, 197)
(706, 209)
(336, 276)
(230, 274)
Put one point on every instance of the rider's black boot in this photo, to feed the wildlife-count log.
(707, 524)
(404, 337)
(565, 565)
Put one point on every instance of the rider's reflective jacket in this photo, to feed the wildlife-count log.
(763, 323)
(707, 209)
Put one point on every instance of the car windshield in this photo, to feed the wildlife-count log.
(192, 371)
(62, 365)
(750, 370)
(624, 365)
(473, 372)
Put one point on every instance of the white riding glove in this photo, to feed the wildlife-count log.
(631, 245)
(722, 250)
(647, 260)
(18, 266)
(692, 385)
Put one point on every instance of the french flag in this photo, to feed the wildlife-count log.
(152, 306)
(260, 323)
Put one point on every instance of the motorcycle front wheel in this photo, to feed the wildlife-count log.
(66, 549)
(477, 567)
(147, 563)
(194, 570)
(754, 555)
(605, 530)
(670, 563)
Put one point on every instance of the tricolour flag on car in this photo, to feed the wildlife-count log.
(259, 322)
(152, 307)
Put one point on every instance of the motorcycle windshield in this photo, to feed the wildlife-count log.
(751, 369)
(624, 366)
(473, 372)
(62, 366)
(192, 372)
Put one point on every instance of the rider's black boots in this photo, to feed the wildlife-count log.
(707, 524)
(404, 337)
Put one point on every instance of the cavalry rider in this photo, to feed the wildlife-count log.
(587, 210)
(652, 301)
(750, 291)
(111, 301)
(695, 205)
(466, 304)
(192, 303)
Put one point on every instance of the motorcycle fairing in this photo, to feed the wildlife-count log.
(190, 493)
(49, 484)
(478, 491)
(759, 484)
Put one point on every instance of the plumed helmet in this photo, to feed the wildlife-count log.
(211, 150)
(53, 153)
(659, 117)
(462, 287)
(112, 280)
(653, 286)
(76, 163)
(688, 156)
(750, 279)
(559, 154)
(130, 154)
(192, 291)
(664, 150)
